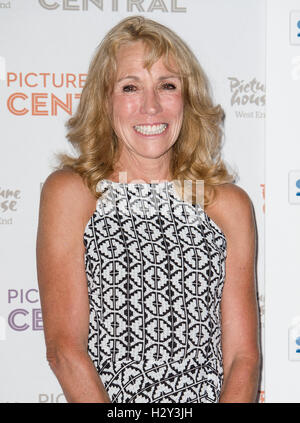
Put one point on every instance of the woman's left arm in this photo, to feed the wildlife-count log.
(239, 309)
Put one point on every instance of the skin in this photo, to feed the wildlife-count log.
(63, 287)
(239, 309)
(142, 97)
(60, 249)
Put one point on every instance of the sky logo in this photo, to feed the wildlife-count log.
(295, 27)
(298, 344)
(294, 187)
(298, 186)
(294, 339)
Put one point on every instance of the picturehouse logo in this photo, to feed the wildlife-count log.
(247, 94)
(51, 398)
(9, 201)
(136, 6)
(26, 314)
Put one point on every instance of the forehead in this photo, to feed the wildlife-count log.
(131, 57)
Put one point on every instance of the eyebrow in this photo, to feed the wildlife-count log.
(161, 78)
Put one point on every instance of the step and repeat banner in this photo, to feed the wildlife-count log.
(45, 50)
(282, 340)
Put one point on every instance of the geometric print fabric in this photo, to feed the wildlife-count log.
(155, 268)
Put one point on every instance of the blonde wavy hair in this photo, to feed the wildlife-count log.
(196, 154)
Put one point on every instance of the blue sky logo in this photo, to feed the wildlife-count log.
(298, 193)
(298, 343)
(294, 187)
(295, 28)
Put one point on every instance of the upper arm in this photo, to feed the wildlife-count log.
(65, 205)
(239, 310)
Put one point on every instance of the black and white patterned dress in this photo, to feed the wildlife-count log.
(155, 268)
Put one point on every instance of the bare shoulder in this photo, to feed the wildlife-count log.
(66, 182)
(231, 208)
(232, 198)
(65, 191)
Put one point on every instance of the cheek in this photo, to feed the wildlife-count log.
(173, 105)
(124, 107)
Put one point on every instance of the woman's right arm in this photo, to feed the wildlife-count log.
(65, 208)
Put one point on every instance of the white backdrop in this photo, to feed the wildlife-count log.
(45, 50)
(282, 212)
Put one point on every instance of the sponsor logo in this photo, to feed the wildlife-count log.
(51, 398)
(9, 200)
(294, 187)
(140, 6)
(294, 339)
(25, 316)
(247, 94)
(37, 94)
(295, 28)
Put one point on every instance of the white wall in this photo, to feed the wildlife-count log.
(282, 210)
(227, 37)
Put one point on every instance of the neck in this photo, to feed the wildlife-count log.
(146, 170)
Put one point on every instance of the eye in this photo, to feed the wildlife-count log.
(129, 88)
(168, 86)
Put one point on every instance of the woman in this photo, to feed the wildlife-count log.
(135, 303)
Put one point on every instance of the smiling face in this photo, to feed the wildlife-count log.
(147, 106)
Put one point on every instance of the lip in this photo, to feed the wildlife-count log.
(151, 124)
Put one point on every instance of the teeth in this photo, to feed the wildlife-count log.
(151, 129)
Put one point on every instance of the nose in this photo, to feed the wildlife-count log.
(151, 102)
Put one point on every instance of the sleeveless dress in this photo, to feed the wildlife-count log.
(155, 268)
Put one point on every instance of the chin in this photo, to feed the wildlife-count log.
(154, 153)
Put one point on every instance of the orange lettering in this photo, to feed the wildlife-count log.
(11, 107)
(82, 78)
(26, 79)
(55, 101)
(11, 77)
(70, 80)
(36, 104)
(44, 75)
